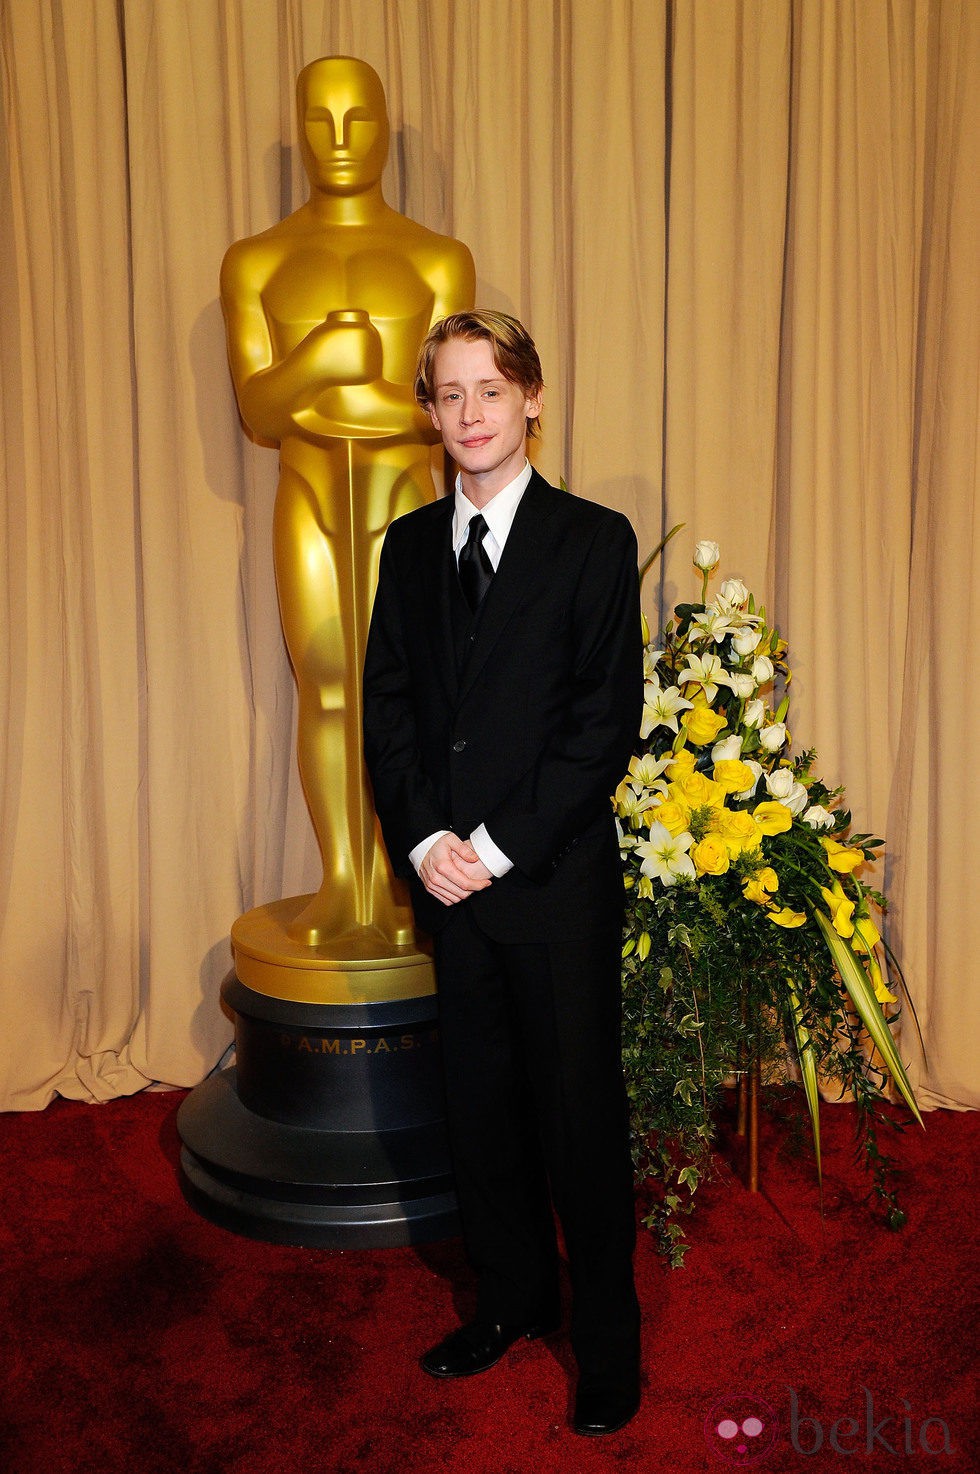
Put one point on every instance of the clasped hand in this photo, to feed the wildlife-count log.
(345, 349)
(451, 870)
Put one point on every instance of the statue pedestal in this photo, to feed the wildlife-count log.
(329, 1130)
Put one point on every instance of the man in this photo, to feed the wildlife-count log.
(502, 697)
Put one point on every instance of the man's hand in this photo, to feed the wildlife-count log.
(451, 870)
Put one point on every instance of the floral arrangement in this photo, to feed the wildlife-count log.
(749, 933)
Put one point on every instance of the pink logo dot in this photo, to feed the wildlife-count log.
(741, 1429)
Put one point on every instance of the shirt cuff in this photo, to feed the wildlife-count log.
(418, 854)
(493, 858)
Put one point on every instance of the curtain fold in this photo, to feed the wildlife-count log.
(745, 237)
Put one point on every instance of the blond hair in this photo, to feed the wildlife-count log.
(513, 349)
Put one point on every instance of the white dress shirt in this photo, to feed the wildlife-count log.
(498, 514)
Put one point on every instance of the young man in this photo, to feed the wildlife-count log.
(502, 698)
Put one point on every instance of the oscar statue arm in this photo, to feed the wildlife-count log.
(272, 393)
(384, 406)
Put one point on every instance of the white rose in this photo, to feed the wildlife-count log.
(734, 592)
(784, 787)
(742, 684)
(754, 713)
(745, 641)
(763, 669)
(706, 556)
(818, 817)
(772, 738)
(756, 770)
(728, 750)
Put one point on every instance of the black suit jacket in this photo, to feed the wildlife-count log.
(533, 732)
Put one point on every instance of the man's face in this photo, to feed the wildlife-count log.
(481, 416)
(343, 126)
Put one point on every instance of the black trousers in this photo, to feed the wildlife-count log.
(535, 1100)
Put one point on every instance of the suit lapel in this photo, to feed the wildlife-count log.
(521, 565)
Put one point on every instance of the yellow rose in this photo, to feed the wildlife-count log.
(840, 858)
(695, 791)
(733, 775)
(772, 817)
(710, 856)
(673, 816)
(702, 725)
(682, 764)
(787, 917)
(759, 888)
(738, 830)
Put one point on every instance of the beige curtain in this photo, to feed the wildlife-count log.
(745, 235)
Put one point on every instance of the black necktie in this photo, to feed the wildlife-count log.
(475, 568)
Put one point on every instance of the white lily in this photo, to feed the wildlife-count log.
(714, 623)
(660, 709)
(664, 855)
(646, 770)
(629, 801)
(650, 660)
(706, 670)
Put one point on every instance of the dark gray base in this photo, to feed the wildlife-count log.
(322, 1189)
(329, 1131)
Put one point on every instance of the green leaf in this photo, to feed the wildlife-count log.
(862, 995)
(808, 1066)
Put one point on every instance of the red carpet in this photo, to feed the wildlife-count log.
(139, 1339)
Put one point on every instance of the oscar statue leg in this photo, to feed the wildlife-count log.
(326, 550)
(311, 573)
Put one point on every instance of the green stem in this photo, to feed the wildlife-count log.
(648, 562)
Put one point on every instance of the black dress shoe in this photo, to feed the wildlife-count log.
(604, 1410)
(479, 1345)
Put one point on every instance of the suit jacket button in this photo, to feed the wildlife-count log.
(459, 744)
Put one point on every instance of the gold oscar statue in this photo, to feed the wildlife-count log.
(325, 313)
